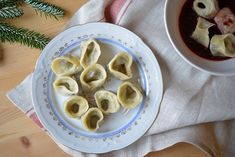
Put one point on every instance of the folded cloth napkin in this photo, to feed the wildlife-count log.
(191, 97)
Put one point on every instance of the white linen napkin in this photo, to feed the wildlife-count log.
(190, 96)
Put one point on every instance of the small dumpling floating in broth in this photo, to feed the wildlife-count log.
(75, 106)
(120, 66)
(66, 85)
(66, 65)
(90, 53)
(107, 101)
(206, 8)
(223, 45)
(225, 21)
(93, 77)
(129, 95)
(92, 119)
(201, 32)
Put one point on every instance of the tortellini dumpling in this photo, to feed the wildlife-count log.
(223, 45)
(90, 53)
(201, 32)
(129, 96)
(93, 77)
(225, 20)
(120, 66)
(92, 119)
(66, 65)
(75, 106)
(206, 8)
(107, 101)
(66, 85)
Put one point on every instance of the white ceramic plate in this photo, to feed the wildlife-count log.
(172, 12)
(118, 130)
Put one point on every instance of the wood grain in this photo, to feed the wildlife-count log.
(19, 136)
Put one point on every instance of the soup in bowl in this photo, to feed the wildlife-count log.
(199, 36)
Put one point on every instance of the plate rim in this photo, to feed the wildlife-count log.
(161, 88)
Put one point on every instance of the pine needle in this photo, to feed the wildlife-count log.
(46, 8)
(9, 33)
(10, 12)
(4, 3)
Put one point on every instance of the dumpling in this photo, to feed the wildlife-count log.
(93, 77)
(66, 85)
(90, 53)
(92, 119)
(129, 96)
(225, 21)
(201, 32)
(206, 8)
(107, 101)
(66, 65)
(120, 66)
(223, 45)
(75, 106)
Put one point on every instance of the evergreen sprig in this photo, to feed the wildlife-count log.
(8, 33)
(10, 12)
(4, 3)
(46, 8)
(24, 36)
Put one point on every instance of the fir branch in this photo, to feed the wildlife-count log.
(10, 12)
(9, 33)
(46, 8)
(5, 3)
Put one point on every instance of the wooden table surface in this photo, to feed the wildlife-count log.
(16, 62)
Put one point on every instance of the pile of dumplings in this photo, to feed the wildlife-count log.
(220, 44)
(92, 77)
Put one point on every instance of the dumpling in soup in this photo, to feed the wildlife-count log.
(66, 65)
(90, 53)
(93, 76)
(129, 96)
(201, 32)
(107, 101)
(223, 45)
(92, 119)
(66, 85)
(75, 106)
(225, 21)
(120, 66)
(206, 8)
